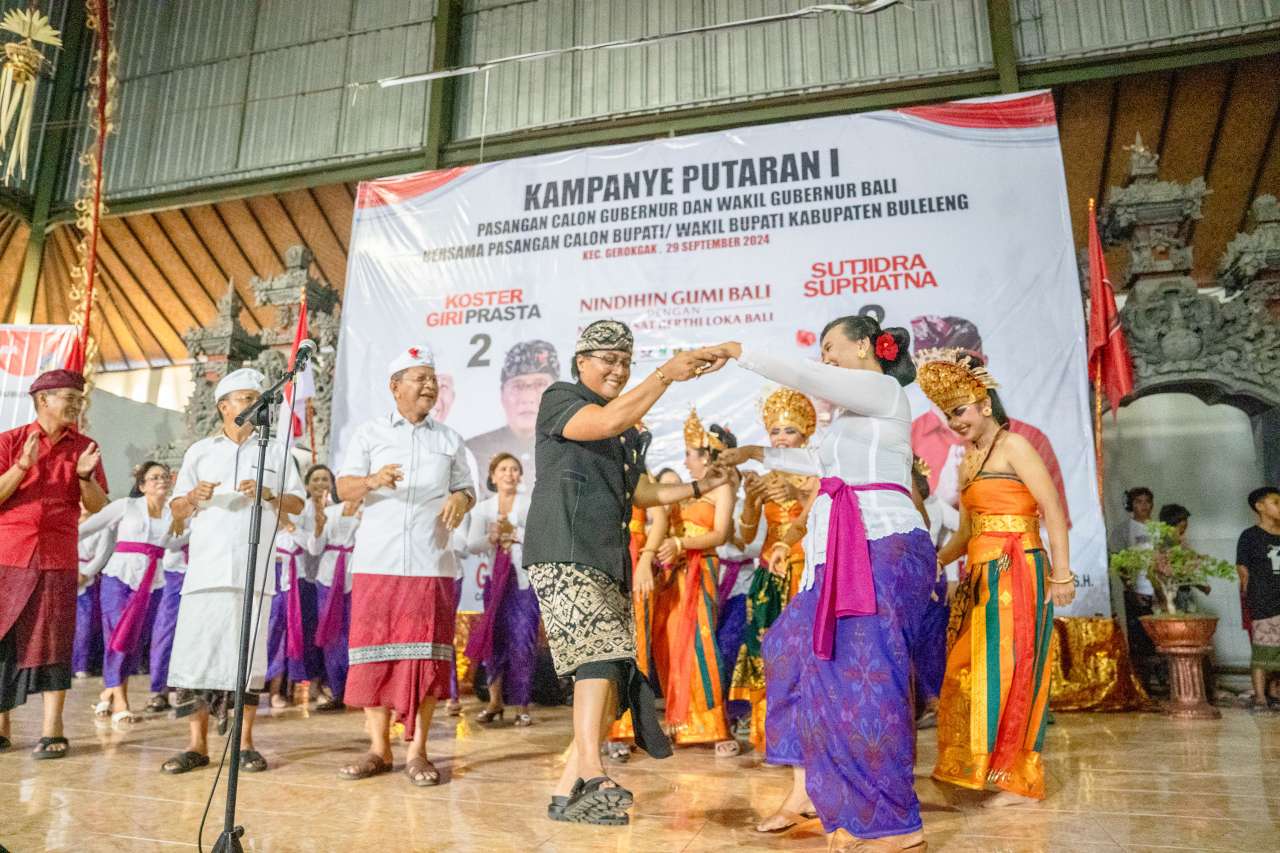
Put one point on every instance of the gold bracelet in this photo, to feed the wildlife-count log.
(662, 377)
(1071, 578)
(679, 545)
(648, 550)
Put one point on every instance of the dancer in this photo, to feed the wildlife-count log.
(695, 696)
(48, 470)
(165, 624)
(576, 551)
(995, 694)
(838, 661)
(86, 655)
(132, 583)
(217, 478)
(412, 474)
(505, 638)
(334, 576)
(783, 501)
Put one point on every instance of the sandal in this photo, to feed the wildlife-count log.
(790, 820)
(616, 750)
(488, 715)
(159, 704)
(42, 752)
(728, 749)
(454, 708)
(184, 762)
(102, 710)
(368, 766)
(422, 772)
(120, 718)
(523, 721)
(251, 761)
(594, 803)
(332, 706)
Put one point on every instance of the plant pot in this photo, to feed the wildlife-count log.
(1184, 641)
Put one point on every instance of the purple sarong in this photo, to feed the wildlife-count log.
(505, 638)
(849, 720)
(138, 611)
(335, 603)
(280, 660)
(163, 628)
(86, 653)
(116, 597)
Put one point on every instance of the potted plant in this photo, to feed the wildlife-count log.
(1181, 634)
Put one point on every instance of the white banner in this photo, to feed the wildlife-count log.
(25, 353)
(950, 220)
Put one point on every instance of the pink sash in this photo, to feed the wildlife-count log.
(293, 608)
(480, 643)
(124, 639)
(848, 587)
(330, 623)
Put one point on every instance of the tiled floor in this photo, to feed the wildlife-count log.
(1131, 782)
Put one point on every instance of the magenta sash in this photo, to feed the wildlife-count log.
(848, 587)
(480, 643)
(293, 608)
(329, 625)
(729, 571)
(124, 639)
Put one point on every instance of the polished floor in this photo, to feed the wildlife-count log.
(1128, 782)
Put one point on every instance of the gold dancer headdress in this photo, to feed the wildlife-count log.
(952, 377)
(697, 438)
(786, 407)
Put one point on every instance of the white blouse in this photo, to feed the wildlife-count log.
(175, 559)
(485, 514)
(868, 441)
(339, 531)
(302, 536)
(129, 519)
(95, 550)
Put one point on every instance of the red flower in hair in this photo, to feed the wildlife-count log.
(806, 338)
(886, 347)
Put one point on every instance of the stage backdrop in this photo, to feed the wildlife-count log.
(950, 220)
(25, 353)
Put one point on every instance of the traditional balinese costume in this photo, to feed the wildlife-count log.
(206, 642)
(165, 625)
(696, 694)
(132, 581)
(505, 637)
(291, 646)
(995, 694)
(335, 573)
(784, 525)
(403, 603)
(86, 655)
(39, 562)
(838, 661)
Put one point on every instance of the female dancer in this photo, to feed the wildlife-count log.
(505, 637)
(131, 582)
(695, 696)
(995, 694)
(335, 540)
(783, 500)
(838, 661)
(86, 653)
(166, 622)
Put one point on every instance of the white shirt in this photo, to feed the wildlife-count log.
(869, 441)
(131, 521)
(484, 514)
(400, 531)
(220, 528)
(95, 550)
(339, 532)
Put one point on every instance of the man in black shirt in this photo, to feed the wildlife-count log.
(1258, 562)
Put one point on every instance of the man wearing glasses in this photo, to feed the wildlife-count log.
(530, 367)
(47, 470)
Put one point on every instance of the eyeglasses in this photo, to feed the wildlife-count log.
(68, 396)
(612, 361)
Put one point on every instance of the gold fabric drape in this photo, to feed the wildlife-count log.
(1091, 667)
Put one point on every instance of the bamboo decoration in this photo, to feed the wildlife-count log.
(22, 63)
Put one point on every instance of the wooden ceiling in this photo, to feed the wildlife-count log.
(163, 272)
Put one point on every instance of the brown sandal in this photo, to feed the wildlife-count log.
(422, 772)
(790, 821)
(369, 765)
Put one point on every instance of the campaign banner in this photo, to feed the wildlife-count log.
(25, 353)
(950, 220)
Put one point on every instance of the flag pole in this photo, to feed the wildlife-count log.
(1097, 400)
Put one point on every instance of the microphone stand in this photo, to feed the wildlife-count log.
(260, 413)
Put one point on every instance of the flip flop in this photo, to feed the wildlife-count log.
(184, 762)
(251, 761)
(122, 717)
(42, 752)
(102, 710)
(369, 765)
(421, 772)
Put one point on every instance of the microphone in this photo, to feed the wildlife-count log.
(306, 351)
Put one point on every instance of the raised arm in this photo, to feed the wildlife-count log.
(863, 392)
(108, 517)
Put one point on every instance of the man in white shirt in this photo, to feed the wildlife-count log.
(412, 473)
(215, 490)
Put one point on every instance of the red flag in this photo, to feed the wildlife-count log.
(298, 392)
(1110, 366)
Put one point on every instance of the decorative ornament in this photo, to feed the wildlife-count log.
(22, 64)
(952, 377)
(697, 438)
(786, 407)
(886, 347)
(921, 467)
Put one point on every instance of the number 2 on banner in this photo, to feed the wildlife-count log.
(478, 359)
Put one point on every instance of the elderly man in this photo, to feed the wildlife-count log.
(49, 470)
(215, 490)
(411, 471)
(528, 369)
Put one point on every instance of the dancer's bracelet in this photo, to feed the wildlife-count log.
(1071, 578)
(662, 377)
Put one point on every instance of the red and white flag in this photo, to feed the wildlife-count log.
(1110, 365)
(298, 393)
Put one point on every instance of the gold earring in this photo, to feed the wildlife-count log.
(863, 350)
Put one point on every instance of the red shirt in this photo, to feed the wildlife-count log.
(42, 518)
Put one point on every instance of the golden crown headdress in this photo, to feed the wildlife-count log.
(787, 407)
(697, 438)
(952, 377)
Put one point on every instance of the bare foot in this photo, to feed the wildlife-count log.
(1004, 799)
